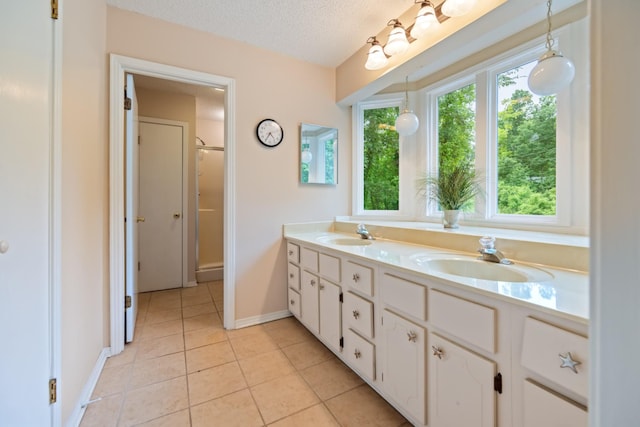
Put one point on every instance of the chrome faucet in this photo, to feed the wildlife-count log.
(488, 252)
(363, 232)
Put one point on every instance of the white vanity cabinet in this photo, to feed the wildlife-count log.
(330, 314)
(310, 301)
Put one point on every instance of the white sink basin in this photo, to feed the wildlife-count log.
(483, 270)
(345, 241)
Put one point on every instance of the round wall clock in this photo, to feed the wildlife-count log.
(269, 132)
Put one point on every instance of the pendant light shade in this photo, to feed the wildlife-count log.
(397, 43)
(455, 8)
(376, 58)
(553, 72)
(407, 122)
(425, 20)
(306, 156)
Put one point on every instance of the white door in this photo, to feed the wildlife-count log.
(161, 238)
(132, 217)
(25, 212)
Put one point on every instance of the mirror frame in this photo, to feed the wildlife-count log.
(312, 156)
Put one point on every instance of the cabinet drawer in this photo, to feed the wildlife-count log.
(293, 276)
(468, 320)
(358, 314)
(359, 277)
(293, 252)
(294, 302)
(360, 354)
(404, 295)
(309, 259)
(546, 408)
(543, 348)
(330, 267)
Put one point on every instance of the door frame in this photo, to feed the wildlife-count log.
(185, 186)
(119, 65)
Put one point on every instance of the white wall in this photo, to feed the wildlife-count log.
(268, 193)
(85, 218)
(615, 219)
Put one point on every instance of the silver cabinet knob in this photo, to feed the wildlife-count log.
(292, 302)
(321, 287)
(356, 314)
(357, 354)
(437, 351)
(290, 252)
(291, 275)
(356, 277)
(312, 282)
(412, 336)
(567, 361)
(177, 215)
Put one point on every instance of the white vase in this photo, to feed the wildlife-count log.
(450, 218)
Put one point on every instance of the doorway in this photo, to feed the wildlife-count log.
(119, 66)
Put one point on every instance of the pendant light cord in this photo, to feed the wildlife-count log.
(550, 41)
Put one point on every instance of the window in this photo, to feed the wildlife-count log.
(529, 151)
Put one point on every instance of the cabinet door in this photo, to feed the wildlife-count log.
(330, 314)
(545, 408)
(461, 386)
(403, 374)
(309, 301)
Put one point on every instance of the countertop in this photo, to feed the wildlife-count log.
(566, 294)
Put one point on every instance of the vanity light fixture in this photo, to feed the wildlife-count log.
(553, 72)
(425, 20)
(407, 122)
(456, 8)
(399, 40)
(376, 58)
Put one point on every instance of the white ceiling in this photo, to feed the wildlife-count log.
(325, 32)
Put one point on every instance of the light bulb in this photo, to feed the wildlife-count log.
(306, 156)
(407, 123)
(455, 8)
(376, 58)
(553, 73)
(425, 20)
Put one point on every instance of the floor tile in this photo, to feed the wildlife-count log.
(161, 329)
(363, 407)
(157, 347)
(112, 380)
(163, 316)
(286, 333)
(125, 357)
(331, 378)
(154, 401)
(307, 353)
(214, 382)
(156, 370)
(209, 356)
(284, 396)
(236, 333)
(202, 337)
(195, 290)
(196, 300)
(250, 345)
(195, 310)
(201, 321)
(177, 419)
(233, 410)
(103, 413)
(316, 416)
(265, 367)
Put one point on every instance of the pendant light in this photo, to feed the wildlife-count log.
(407, 123)
(553, 72)
(425, 20)
(397, 43)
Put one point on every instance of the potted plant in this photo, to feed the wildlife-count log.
(453, 188)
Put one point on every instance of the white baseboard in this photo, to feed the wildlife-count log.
(190, 284)
(210, 274)
(263, 318)
(87, 391)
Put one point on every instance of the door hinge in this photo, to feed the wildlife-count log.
(54, 9)
(341, 342)
(341, 297)
(497, 383)
(127, 100)
(138, 265)
(127, 301)
(53, 391)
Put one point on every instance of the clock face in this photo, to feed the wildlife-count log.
(269, 132)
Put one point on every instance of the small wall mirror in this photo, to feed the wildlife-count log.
(318, 154)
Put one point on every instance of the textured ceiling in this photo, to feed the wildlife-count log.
(325, 32)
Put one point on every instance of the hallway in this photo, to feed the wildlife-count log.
(184, 369)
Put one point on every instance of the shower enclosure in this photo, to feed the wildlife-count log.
(209, 217)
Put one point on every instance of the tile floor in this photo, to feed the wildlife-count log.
(184, 369)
